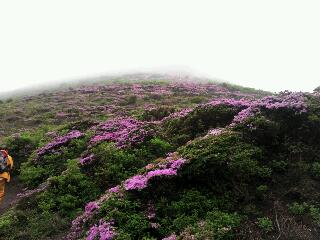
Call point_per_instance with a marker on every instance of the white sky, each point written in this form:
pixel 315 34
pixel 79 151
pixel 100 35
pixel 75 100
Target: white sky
pixel 272 45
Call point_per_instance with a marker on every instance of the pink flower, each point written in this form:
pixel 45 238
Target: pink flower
pixel 136 182
pixel 91 206
pixel 115 189
pixel 161 172
pixel 87 160
pixel 104 230
pixel 171 237
pixel 59 141
pixel 125 132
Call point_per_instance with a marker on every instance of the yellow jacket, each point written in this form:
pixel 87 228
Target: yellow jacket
pixel 6 175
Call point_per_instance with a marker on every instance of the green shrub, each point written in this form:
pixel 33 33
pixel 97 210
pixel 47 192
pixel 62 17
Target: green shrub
pixel 32 176
pixel 9 100
pixel 315 169
pixel 224 163
pixel 6 221
pixel 261 191
pixel 130 100
pixel 152 149
pixel 178 131
pixel 298 209
pixel 315 214
pixel 129 216
pixel 68 192
pixel 156 114
pixel 20 146
pixel 33 225
pixel 37 171
pixel 112 165
pixel 197 99
pixel 261 131
pixel 265 224
pixel 279 166
pixel 221 224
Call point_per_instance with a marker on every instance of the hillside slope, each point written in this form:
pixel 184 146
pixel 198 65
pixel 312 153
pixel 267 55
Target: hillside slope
pixel 164 160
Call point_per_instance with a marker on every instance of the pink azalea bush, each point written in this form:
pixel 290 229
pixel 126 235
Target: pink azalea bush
pixel 87 159
pixel 125 132
pixel 104 231
pixel 91 209
pixel 59 141
pixel 168 167
pixel 180 114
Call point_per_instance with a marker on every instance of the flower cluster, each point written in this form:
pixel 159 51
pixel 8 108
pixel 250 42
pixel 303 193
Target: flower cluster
pixel 125 132
pixel 90 210
pixel 87 159
pixel 290 100
pixel 59 141
pixel 171 237
pixel 168 167
pixel 179 114
pixel 230 102
pixel 245 114
pixel 91 207
pixel 285 100
pixel 104 230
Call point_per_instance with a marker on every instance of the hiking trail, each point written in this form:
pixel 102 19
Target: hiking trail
pixel 11 190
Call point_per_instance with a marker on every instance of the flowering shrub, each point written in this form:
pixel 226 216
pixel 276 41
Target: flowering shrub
pixel 229 102
pixel 180 114
pixel 58 142
pixel 124 132
pixel 104 231
pixel 244 115
pixel 38 168
pixel 286 100
pixel 87 159
pixel 91 207
pixel 165 167
pixel 168 167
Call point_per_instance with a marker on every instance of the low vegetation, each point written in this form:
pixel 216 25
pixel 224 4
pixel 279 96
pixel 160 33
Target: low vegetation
pixel 164 160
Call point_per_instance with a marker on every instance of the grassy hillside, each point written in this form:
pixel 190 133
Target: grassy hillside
pixel 163 160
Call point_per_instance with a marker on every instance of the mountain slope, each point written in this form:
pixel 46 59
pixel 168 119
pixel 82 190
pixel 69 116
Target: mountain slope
pixel 164 160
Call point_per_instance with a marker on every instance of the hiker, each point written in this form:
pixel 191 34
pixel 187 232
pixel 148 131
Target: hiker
pixel 6 164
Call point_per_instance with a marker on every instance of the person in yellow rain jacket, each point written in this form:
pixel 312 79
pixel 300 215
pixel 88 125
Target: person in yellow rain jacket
pixel 6 164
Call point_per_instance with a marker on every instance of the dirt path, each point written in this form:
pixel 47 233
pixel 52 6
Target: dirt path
pixel 12 189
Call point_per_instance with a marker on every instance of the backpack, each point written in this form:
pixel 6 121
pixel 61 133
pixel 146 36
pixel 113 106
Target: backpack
pixel 3 162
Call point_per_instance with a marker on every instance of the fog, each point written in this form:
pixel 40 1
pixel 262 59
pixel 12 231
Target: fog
pixel 269 45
